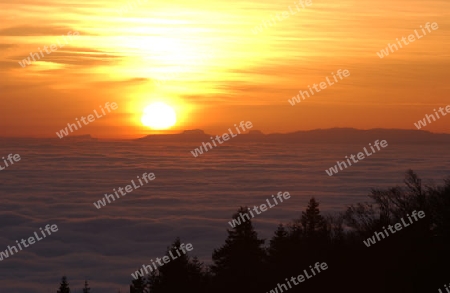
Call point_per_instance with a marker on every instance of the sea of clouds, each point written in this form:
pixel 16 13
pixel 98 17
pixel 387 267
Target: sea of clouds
pixel 193 198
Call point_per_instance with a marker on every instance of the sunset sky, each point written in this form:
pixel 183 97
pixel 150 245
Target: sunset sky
pixel 220 71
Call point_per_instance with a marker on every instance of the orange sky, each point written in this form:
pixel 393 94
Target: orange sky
pixel 219 71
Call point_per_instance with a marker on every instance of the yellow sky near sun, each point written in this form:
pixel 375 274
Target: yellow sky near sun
pixel 214 71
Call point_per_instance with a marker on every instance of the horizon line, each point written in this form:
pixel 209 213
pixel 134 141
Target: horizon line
pixel 183 131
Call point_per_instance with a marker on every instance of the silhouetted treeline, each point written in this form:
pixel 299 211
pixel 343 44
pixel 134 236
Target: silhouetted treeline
pixel 414 259
pixel 65 288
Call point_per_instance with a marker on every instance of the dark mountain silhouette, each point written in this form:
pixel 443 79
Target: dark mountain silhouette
pixel 333 135
pixel 186 136
pixel 71 138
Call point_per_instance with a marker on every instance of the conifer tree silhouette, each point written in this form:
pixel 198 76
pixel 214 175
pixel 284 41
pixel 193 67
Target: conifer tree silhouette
pixel 86 288
pixel 238 263
pixel 179 274
pixel 64 286
pixel 139 285
pixel 279 242
pixel 312 221
pixel 280 253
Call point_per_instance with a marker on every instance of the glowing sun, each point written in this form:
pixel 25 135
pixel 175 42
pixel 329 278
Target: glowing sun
pixel 159 116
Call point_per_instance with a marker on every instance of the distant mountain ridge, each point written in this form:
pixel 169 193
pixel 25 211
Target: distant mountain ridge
pixel 69 138
pixel 332 135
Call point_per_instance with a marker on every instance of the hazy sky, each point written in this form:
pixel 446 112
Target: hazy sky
pixel 220 72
